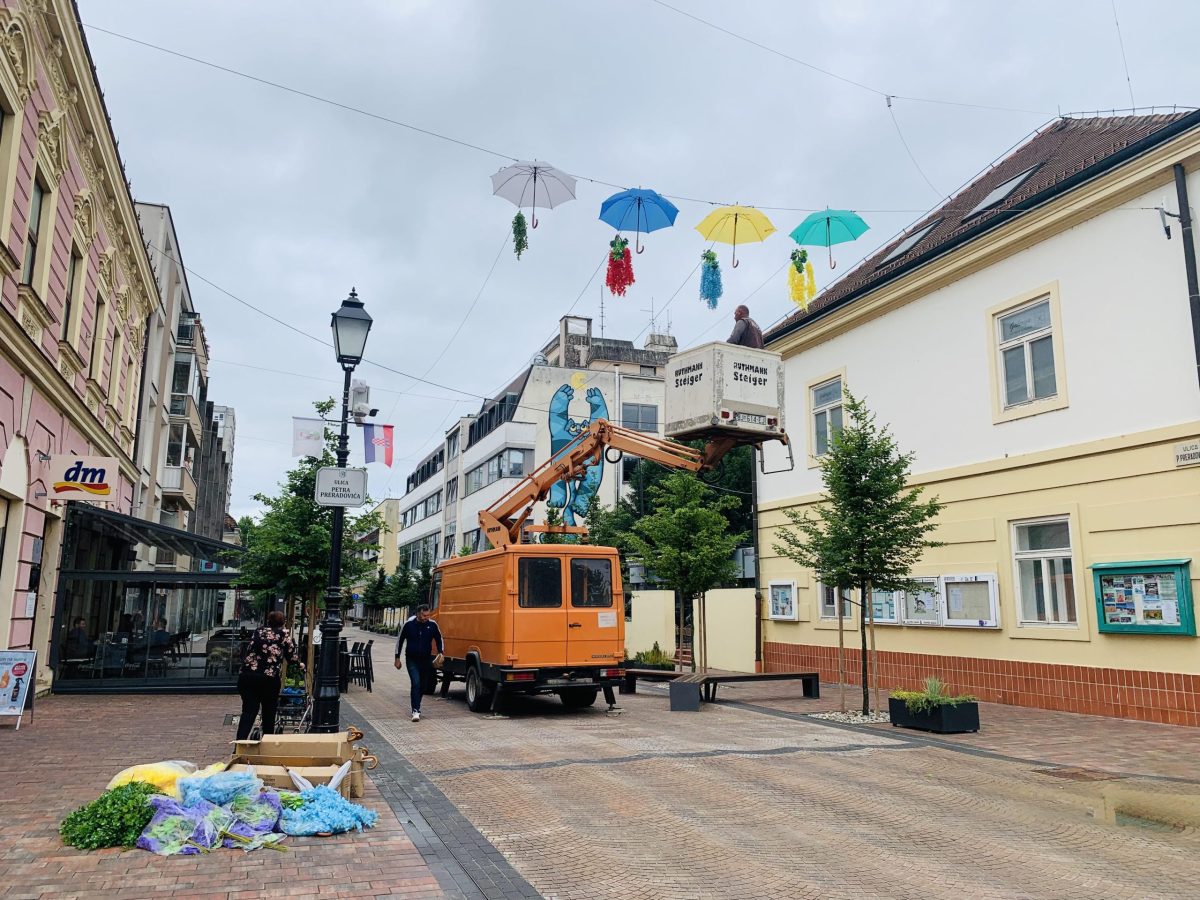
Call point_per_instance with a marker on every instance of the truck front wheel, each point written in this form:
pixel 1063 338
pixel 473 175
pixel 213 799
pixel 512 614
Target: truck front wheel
pixel 479 692
pixel 578 698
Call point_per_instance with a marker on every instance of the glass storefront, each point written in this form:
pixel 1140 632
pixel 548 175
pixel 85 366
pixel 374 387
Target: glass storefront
pixel 169 628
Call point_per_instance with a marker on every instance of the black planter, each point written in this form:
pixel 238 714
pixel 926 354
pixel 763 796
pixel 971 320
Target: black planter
pixel 944 719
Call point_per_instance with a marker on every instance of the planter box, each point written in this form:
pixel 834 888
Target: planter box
pixel 945 719
pixel 658 667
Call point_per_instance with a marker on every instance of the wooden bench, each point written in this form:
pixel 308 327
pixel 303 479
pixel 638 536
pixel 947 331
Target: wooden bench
pixel 632 675
pixel 810 681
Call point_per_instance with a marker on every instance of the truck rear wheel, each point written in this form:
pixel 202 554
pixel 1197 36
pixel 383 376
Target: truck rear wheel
pixel 578 698
pixel 479 692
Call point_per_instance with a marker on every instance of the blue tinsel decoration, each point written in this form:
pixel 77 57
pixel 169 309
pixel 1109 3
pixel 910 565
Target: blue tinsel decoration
pixel 710 280
pixel 324 810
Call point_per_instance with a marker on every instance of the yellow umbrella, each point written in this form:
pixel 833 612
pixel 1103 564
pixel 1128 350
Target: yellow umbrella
pixel 729 224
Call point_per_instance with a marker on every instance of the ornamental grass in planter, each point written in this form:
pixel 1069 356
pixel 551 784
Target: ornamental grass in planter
pixel 654 658
pixel 934 709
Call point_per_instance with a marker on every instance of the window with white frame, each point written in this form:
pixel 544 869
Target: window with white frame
pixel 922 606
pixel 34 230
pixel 68 317
pixel 827 414
pixel 450 549
pixel 1026 343
pixel 884 607
pixel 452 446
pixel 1044 575
pixel 829 603
pixel 970 601
pixel 640 416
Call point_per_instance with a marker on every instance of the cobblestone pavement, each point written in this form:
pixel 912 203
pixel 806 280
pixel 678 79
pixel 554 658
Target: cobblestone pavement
pixel 1120 746
pixel 745 800
pixel 77 743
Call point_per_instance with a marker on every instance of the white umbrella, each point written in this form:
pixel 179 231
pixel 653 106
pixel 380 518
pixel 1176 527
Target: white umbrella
pixel 533 184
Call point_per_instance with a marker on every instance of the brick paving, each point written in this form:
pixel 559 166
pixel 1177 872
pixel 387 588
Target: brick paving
pixel 753 799
pixel 77 743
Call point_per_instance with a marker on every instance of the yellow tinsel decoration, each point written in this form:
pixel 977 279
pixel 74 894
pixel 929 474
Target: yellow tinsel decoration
pixel 801 282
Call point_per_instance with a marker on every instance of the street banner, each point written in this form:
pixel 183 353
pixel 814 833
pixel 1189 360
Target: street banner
pixel 83 477
pixel 308 436
pixel 377 443
pixel 17 669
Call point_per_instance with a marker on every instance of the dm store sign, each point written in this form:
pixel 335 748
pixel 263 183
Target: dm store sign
pixel 83 477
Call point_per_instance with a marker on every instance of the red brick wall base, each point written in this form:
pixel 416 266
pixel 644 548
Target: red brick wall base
pixel 1166 697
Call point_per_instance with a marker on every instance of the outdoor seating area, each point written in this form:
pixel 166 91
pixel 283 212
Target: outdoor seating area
pixel 689 688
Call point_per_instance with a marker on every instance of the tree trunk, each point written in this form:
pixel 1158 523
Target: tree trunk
pixel 874 656
pixel 862 633
pixel 704 632
pixel 837 599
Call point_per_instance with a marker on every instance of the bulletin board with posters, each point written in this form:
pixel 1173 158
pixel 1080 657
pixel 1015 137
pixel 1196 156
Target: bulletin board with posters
pixel 1152 597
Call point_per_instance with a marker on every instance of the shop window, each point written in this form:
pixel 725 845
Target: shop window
pixel 1044 575
pixel 539 583
pixel 591 583
pixel 826 414
pixel 922 606
pixel 829 602
pixel 969 601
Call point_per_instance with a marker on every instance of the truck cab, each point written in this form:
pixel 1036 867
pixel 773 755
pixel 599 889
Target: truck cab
pixel 532 618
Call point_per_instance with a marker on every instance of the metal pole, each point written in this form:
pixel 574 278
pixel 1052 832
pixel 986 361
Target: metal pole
pixel 327 702
pixel 1189 257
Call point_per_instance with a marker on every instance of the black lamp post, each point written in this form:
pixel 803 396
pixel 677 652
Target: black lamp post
pixel 351 323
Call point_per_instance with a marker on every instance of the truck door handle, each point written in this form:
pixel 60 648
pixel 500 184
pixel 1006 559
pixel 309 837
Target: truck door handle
pixel 575 625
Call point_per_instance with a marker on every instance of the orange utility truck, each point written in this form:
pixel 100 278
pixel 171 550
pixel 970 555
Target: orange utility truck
pixel 550 618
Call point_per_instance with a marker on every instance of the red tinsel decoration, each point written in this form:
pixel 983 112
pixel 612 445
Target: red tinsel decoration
pixel 620 268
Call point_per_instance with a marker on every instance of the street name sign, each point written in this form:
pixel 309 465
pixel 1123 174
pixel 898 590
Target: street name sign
pixel 341 487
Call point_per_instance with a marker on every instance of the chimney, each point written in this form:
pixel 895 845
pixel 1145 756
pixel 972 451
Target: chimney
pixel 662 343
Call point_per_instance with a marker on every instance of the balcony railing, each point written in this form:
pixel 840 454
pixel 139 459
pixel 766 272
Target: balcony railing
pixel 183 406
pixel 178 484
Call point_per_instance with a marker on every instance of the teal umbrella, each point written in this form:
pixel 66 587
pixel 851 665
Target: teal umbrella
pixel 829 227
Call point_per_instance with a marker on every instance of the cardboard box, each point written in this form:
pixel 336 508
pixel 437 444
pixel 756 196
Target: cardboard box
pixel 315 756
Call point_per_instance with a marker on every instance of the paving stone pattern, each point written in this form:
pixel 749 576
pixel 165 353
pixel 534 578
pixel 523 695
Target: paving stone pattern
pixel 744 800
pixel 466 865
pixel 77 743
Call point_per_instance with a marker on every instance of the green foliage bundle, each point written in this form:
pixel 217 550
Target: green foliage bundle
pixel 520 234
pixel 114 819
pixel 935 693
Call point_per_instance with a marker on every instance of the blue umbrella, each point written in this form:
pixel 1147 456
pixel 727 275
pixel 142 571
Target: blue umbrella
pixel 639 209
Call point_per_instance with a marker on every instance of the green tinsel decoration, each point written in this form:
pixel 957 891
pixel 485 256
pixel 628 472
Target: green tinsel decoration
pixel 520 235
pixel 799 258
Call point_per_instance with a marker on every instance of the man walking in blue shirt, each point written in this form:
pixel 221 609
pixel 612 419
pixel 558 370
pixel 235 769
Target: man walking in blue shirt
pixel 421 633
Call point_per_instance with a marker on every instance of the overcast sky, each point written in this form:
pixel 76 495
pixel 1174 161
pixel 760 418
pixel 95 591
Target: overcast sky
pixel 287 202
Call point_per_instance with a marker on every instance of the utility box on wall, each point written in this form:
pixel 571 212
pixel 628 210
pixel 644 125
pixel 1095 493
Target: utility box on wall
pixel 721 389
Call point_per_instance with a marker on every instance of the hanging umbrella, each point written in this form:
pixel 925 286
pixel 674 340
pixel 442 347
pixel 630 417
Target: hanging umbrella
pixel 642 210
pixel 829 227
pixel 533 184
pixel 729 224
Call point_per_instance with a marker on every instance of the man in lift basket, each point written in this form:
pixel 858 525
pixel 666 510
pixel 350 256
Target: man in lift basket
pixel 421 633
pixel 746 332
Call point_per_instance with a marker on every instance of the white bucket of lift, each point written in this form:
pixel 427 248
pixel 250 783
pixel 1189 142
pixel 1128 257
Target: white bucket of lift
pixel 721 389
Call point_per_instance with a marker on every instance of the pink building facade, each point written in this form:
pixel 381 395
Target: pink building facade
pixel 75 293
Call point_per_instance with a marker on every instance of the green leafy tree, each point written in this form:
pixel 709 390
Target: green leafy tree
pixel 401 590
pixel 872 528
pixel 374 594
pixel 423 580
pixel 290 544
pixel 686 541
pixel 554 519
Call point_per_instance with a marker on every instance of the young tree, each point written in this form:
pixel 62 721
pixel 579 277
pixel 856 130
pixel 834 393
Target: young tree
pixel 423 582
pixel 290 544
pixel 686 542
pixel 871 528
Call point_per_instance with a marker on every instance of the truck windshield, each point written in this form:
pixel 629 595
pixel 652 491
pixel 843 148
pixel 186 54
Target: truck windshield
pixel 539 583
pixel 591 582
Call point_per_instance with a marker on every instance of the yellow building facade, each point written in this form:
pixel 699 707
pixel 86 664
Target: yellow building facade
pixel 1032 343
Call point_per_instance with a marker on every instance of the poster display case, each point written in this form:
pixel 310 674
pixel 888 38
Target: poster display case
pixel 1148 597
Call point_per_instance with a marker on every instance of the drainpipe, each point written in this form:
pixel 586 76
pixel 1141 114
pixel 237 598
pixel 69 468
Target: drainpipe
pixel 1189 258
pixel 758 598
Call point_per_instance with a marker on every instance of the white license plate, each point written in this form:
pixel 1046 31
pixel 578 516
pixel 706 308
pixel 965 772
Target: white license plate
pixel 562 681
pixel 750 418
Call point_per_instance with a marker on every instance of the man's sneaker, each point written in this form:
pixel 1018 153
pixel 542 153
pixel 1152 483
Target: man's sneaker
pixel 416 716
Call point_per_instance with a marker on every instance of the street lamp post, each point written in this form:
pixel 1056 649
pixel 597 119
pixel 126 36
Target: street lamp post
pixel 351 323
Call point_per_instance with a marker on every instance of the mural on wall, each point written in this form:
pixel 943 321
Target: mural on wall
pixel 574 496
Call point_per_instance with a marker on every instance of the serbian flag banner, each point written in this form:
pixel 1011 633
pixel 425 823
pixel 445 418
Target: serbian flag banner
pixel 378 443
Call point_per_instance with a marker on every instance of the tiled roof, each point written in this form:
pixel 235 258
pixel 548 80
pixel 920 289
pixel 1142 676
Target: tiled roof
pixel 1063 154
